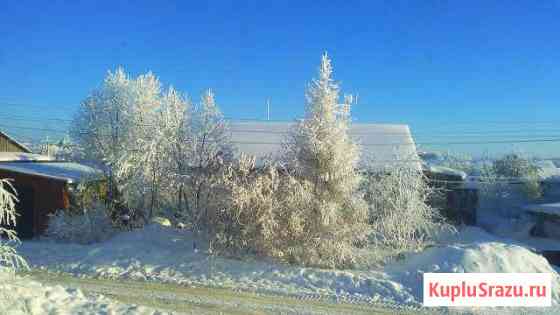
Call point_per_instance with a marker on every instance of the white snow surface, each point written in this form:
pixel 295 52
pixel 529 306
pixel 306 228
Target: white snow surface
pixel 382 145
pixel 446 171
pixel 20 295
pixel 22 156
pixel 66 171
pixel 165 254
pixel 546 208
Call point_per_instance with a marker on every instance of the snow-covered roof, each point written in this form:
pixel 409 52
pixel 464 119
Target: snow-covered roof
pixel 65 171
pixel 546 208
pixel 382 145
pixel 548 171
pixel 446 171
pixel 22 156
pixel 14 141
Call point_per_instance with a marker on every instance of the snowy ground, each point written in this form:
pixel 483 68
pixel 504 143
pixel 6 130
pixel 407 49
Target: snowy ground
pixel 208 301
pixel 166 255
pixel 20 295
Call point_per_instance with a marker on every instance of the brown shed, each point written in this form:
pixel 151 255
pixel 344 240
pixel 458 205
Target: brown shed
pixel 42 188
pixel 9 144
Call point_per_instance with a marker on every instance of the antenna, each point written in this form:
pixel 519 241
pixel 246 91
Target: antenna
pixel 267 109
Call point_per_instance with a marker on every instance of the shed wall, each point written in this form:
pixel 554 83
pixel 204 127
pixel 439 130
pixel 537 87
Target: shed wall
pixel 49 195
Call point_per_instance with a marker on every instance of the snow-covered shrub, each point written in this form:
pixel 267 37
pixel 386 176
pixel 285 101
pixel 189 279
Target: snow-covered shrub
pixel 514 167
pixel 90 225
pixel 9 259
pixel 271 213
pixel 399 210
pixel 457 161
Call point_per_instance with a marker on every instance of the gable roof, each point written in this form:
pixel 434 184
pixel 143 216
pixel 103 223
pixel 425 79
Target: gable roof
pixel 15 142
pixel 382 145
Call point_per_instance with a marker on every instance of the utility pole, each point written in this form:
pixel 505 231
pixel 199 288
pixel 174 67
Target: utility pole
pixel 267 109
pixel 48 147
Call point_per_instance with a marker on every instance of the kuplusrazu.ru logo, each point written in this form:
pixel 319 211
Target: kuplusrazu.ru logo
pixel 487 289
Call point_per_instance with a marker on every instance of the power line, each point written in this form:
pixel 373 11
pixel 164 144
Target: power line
pixel 65 107
pixel 363 144
pixel 33 119
pixel 509 141
pixel 516 132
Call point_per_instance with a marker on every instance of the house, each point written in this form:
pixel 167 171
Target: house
pixel 9 144
pixel 42 186
pixel 382 145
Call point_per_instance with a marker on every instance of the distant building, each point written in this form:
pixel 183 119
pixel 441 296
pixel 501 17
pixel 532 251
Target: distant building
pixel 9 144
pixel 382 145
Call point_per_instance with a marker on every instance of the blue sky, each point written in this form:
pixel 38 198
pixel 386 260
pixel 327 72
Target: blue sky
pixel 444 67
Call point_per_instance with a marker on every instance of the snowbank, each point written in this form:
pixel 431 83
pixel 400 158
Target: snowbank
pixel 491 257
pixel 23 296
pixel 165 254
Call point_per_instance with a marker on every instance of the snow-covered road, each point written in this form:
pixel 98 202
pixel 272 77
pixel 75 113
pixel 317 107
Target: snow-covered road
pixel 184 300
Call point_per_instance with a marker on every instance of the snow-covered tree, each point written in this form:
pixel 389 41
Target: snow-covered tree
pixel 8 239
pixel 320 153
pixel 211 147
pixel 400 212
pixel 169 151
pixel 61 150
pixel 111 123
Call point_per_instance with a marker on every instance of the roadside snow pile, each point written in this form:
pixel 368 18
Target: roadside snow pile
pixel 165 254
pixel 490 257
pixel 23 296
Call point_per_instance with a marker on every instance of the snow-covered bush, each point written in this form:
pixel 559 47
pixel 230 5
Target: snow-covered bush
pixel 9 259
pixel 399 210
pixel 457 161
pixel 514 167
pixel 505 185
pixel 90 225
pixel 268 212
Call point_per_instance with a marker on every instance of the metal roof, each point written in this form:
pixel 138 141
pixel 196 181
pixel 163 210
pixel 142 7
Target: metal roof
pixel 382 145
pixel 66 171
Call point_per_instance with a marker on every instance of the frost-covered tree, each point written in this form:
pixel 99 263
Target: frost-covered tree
pixel 211 147
pixel 159 151
pixel 400 213
pixel 8 239
pixel 319 152
pixel 110 124
pixel 101 125
pixel 171 147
